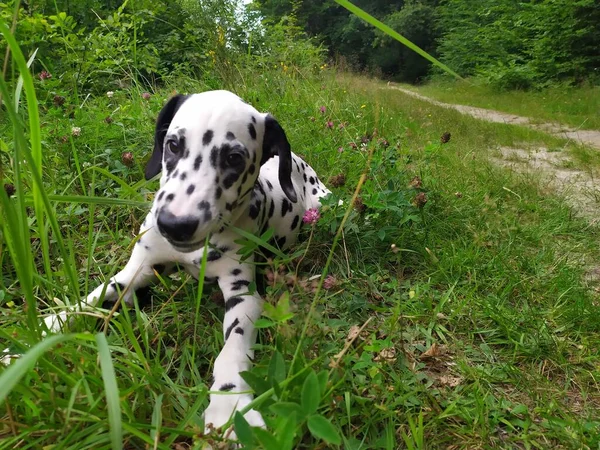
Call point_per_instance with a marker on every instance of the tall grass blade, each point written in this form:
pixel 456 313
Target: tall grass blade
pixel 395 35
pixel 35 139
pixel 112 392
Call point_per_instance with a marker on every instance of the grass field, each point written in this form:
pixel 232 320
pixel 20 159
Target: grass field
pixel 479 325
pixel 577 107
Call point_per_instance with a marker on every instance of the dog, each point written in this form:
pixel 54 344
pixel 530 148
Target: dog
pixel 224 166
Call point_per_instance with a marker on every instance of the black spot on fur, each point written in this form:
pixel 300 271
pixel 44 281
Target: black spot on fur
pixel 197 162
pixel 159 268
pixel 238 284
pixel 271 208
pixel 251 169
pixel 190 189
pixel 232 302
pixel 252 131
pixel 254 210
pixel 160 195
pixel 236 272
pixel 234 324
pixel 203 205
pixel 295 222
pixel 230 136
pixel 253 119
pixel 239 331
pixel 230 179
pixel 176 173
pixel 213 255
pixel 183 176
pixel 315 191
pixel 170 166
pixel 214 154
pixel 305 178
pixel 170 197
pixel 280 241
pixel 227 387
pixel 117 286
pixel 269 185
pixel 218 193
pixel 208 135
pixel 312 180
pixel 284 207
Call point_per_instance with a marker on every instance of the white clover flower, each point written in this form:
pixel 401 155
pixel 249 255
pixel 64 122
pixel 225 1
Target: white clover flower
pixel 109 94
pixel 76 131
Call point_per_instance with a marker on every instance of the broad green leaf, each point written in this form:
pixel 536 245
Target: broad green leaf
pixel 287 409
pixel 277 368
pixel 322 428
pixel 243 430
pixel 311 394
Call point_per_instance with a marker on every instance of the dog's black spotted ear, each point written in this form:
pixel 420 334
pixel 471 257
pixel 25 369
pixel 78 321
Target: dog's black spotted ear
pixel 275 143
pixel 162 125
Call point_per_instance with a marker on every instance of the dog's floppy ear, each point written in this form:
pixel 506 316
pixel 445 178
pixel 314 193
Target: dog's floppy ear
pixel 275 143
pixel 162 125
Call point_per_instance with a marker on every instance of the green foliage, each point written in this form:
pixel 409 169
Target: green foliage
pixel 521 44
pixel 510 44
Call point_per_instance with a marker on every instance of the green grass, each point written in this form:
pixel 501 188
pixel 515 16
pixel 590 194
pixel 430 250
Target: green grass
pixel 577 107
pixel 480 330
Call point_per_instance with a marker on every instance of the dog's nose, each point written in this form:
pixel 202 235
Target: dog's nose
pixel 178 228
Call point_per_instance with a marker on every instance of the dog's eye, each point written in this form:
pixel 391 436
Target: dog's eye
pixel 235 159
pixel 173 146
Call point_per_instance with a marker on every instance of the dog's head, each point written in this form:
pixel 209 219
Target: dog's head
pixel 210 147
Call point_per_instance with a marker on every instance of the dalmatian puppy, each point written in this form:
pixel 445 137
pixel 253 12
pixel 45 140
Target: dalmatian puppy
pixel 224 166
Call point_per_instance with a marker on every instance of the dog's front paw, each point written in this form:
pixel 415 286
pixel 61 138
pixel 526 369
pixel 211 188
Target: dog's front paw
pixel 55 322
pixel 223 406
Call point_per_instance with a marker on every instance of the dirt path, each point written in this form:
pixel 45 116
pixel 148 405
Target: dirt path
pixel 587 137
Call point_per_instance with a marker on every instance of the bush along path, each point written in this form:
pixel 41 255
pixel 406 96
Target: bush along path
pixel 585 137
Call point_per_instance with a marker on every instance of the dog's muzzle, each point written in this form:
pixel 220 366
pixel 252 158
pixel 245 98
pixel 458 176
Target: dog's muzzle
pixel 178 230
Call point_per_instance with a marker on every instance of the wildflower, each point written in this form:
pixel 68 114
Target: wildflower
pixel 340 149
pixel 420 200
pixel 312 119
pixel 110 94
pixel 329 124
pixel 342 125
pixel 394 248
pixel 365 139
pixel 458 194
pixel 323 109
pixel 45 75
pixel 108 119
pixel 445 137
pixel 127 158
pixel 352 145
pixel 416 182
pixel 76 131
pixel 337 180
pixel 363 106
pixel 383 142
pixel 9 189
pixel 359 205
pixel 146 95
pixel 329 282
pixel 59 100
pixel 311 216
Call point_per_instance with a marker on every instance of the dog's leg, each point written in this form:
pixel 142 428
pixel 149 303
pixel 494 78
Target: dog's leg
pixel 230 392
pixel 147 258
